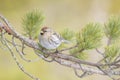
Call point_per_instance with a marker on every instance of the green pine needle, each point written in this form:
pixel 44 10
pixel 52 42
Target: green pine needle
pixel 68 34
pixel 80 55
pixel 90 36
pixel 32 22
pixel 112 51
pixel 112 28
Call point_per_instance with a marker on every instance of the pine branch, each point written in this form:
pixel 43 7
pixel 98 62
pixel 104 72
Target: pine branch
pixel 63 59
pixel 31 23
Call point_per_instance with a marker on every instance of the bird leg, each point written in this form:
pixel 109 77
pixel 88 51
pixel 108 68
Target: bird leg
pixel 56 51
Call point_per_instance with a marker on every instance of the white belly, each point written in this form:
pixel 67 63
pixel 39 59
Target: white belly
pixel 49 44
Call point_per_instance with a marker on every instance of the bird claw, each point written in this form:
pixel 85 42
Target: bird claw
pixel 57 51
pixel 46 55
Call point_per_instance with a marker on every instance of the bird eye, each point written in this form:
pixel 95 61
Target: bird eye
pixel 41 33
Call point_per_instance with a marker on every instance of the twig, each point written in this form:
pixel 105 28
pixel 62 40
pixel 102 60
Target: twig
pixel 68 48
pixel 99 52
pixel 23 48
pixel 85 73
pixel 17 62
pixel 106 73
pixel 41 56
pixel 21 54
pixel 80 76
pixel 109 41
pixel 118 57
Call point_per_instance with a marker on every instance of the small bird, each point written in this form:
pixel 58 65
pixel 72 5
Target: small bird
pixel 50 39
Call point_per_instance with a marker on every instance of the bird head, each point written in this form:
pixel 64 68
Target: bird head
pixel 45 30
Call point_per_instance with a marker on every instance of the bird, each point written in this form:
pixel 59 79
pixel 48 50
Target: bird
pixel 49 39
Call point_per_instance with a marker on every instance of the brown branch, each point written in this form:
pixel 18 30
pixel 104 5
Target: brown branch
pixel 34 45
pixel 99 52
pixel 62 59
pixel 21 52
pixel 17 62
pixel 106 72
pixel 68 48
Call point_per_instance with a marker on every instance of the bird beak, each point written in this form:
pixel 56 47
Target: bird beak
pixel 41 33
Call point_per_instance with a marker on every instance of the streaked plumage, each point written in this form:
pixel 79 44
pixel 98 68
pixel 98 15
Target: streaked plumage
pixel 49 39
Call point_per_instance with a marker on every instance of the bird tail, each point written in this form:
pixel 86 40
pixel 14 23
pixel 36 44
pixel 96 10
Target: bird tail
pixel 66 41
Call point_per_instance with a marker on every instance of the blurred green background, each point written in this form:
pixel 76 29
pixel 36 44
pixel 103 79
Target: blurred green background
pixel 59 14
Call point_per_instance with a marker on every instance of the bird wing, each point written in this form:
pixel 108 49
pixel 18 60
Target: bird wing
pixel 61 38
pixel 55 39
